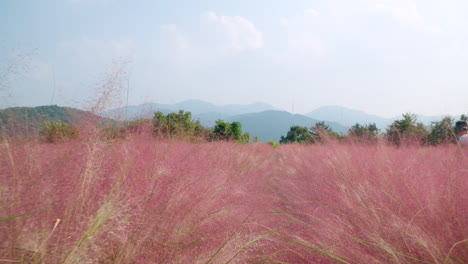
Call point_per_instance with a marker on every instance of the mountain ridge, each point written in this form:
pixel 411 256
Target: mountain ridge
pixel 259 119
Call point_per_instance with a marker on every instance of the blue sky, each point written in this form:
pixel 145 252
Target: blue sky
pixel 385 57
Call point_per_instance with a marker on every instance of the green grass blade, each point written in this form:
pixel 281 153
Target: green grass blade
pixel 27 213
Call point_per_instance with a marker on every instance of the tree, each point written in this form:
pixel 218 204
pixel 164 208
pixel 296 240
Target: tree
pixel 297 134
pixel 441 132
pixel 176 125
pixel 235 131
pixel 322 132
pixel 228 131
pixel 221 130
pixel 406 130
pixel 364 133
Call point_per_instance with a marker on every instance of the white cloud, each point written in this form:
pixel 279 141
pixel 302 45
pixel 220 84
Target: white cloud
pixel 403 11
pixel 240 33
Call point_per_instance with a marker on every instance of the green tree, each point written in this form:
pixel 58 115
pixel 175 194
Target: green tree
pixel 220 130
pixel 228 131
pixel 366 133
pixel 297 134
pixel 179 125
pixel 235 131
pixel 406 130
pixel 322 132
pixel 441 132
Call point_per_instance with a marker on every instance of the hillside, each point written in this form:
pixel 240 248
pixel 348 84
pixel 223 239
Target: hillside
pixel 23 121
pixel 271 124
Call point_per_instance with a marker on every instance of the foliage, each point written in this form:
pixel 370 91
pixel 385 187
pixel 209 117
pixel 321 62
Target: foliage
pixel 364 133
pixel 177 125
pixel 272 142
pixel 228 131
pixel 27 121
pixel 406 130
pixel 322 132
pixel 441 132
pixel 122 130
pixel 246 137
pixel 53 131
pixel 297 134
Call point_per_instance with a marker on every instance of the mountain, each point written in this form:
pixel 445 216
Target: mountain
pixel 209 119
pixel 348 117
pixel 198 108
pixel 427 120
pixel 273 124
pixel 24 121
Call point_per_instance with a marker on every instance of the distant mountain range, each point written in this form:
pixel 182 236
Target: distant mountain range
pixel 349 117
pixel 259 119
pixel 263 120
pixel 273 124
pixel 206 112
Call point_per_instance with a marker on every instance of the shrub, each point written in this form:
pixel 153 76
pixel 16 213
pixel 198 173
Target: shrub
pixel 53 131
pixel 178 126
pixel 406 131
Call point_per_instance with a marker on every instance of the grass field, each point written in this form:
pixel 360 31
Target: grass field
pixel 140 200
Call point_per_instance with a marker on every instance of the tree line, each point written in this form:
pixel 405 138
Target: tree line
pixel 181 126
pixel 406 130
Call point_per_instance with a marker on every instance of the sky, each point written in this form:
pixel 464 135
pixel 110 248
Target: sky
pixel 384 57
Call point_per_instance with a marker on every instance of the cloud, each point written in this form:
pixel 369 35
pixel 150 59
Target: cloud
pixel 403 11
pixel 211 39
pixel 239 33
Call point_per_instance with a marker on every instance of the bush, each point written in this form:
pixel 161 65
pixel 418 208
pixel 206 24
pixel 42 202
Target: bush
pixel 53 131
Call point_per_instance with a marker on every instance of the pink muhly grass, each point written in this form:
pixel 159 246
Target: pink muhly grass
pixel 377 204
pixel 140 200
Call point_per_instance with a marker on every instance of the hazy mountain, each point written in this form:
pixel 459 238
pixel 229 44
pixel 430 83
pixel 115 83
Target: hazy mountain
pixel 348 117
pixel 427 120
pixel 198 108
pixel 273 124
pixel 209 119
